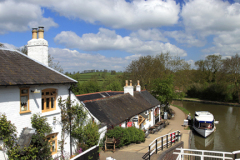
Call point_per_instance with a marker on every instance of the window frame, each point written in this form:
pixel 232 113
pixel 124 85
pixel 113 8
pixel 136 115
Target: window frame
pixel 24 94
pixel 53 139
pixel 44 97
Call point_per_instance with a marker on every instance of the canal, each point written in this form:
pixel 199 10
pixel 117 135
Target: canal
pixel 227 135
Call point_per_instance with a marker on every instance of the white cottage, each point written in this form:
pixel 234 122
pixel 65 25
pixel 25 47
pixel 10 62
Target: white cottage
pixel 28 86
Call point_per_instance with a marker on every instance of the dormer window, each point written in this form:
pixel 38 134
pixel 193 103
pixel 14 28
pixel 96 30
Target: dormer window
pixel 48 100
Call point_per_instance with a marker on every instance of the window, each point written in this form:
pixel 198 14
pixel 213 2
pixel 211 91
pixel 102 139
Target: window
pixel 48 100
pixel 24 100
pixel 52 139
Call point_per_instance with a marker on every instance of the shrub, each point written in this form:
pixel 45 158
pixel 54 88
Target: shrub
pixel 125 136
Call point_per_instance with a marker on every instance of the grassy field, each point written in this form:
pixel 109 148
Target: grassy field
pixel 99 76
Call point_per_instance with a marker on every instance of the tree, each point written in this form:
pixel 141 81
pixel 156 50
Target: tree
pixel 54 65
pixel 231 68
pixel 72 119
pixel 163 89
pixel 210 66
pixel 23 49
pixel 148 68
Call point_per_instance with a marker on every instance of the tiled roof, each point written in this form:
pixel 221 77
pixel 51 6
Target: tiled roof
pixel 116 109
pixel 18 69
pixel 148 97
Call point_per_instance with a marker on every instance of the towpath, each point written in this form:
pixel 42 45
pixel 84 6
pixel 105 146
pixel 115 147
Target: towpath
pixel 136 151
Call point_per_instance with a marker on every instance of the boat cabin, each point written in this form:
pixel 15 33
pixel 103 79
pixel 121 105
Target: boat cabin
pixel 204 120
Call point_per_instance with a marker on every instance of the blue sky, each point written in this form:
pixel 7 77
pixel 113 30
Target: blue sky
pixel 109 34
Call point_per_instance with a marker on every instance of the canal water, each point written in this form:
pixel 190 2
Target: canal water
pixel 227 135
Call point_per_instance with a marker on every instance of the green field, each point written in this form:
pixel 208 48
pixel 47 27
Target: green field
pixel 99 76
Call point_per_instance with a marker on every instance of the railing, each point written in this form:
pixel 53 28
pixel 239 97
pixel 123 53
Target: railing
pixel 161 142
pixel 205 154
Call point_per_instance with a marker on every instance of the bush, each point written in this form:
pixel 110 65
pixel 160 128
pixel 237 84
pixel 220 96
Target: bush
pixel 125 136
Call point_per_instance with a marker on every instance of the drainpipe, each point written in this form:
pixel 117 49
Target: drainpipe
pixel 70 116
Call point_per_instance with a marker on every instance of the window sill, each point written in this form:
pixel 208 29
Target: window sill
pixel 50 113
pixel 23 112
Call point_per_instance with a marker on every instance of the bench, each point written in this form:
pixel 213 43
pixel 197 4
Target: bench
pixel 110 142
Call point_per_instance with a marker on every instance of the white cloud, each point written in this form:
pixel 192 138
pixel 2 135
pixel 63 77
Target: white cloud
pixel 226 43
pixel 210 16
pixel 107 39
pixel 186 38
pixel 150 34
pixel 72 60
pixel 20 16
pixel 191 63
pixel 135 14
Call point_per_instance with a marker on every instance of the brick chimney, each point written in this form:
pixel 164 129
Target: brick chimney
pixel 128 88
pixel 38 47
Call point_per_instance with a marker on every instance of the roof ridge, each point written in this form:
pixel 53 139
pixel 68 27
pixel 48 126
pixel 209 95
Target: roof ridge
pixel 92 93
pixel 93 100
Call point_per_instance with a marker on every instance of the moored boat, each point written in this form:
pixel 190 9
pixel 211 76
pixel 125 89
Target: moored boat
pixel 203 123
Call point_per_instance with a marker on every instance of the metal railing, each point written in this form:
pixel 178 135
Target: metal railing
pixel 162 142
pixel 186 154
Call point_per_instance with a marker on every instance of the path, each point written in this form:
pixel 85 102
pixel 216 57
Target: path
pixel 136 151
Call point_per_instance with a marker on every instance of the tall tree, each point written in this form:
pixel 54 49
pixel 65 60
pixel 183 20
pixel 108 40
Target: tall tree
pixel 231 68
pixel 210 67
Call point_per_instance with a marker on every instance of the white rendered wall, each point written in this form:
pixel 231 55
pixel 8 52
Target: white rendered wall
pixel 38 50
pixel 138 88
pixel 128 89
pixel 10 105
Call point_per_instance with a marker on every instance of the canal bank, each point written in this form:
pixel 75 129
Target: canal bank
pixel 208 102
pixel 136 151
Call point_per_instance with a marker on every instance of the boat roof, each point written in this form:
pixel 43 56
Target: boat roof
pixel 204 116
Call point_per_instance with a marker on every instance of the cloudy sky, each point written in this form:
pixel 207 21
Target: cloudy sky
pixel 109 34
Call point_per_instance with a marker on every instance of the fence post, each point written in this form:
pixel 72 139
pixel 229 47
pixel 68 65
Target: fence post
pixel 162 143
pixel 174 137
pixel 167 140
pixel 149 150
pixel 156 146
pixel 234 156
pixel 202 157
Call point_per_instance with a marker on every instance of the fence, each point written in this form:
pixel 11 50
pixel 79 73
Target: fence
pixel 191 154
pixel 91 153
pixel 161 142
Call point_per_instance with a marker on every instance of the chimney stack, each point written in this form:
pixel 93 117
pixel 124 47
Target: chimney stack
pixel 128 89
pixel 38 46
pixel 138 87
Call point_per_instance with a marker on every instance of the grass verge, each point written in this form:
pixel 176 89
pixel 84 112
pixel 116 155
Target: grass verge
pixel 182 109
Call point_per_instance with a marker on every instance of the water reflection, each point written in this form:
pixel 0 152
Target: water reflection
pixel 227 135
pixel 203 143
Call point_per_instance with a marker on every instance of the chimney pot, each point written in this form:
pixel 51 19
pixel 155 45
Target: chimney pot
pixel 34 33
pixel 138 82
pixel 41 32
pixel 130 82
pixel 126 83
